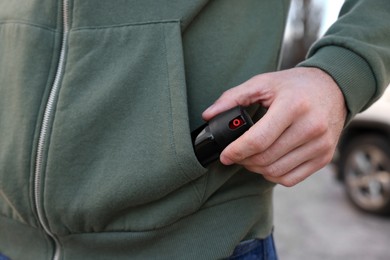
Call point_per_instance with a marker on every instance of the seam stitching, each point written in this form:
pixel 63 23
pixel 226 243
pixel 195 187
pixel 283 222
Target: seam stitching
pixel 102 27
pixel 21 22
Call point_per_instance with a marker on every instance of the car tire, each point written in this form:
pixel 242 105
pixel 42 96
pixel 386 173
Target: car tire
pixel 365 166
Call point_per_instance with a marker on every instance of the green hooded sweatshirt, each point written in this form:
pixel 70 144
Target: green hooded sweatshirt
pixel 97 102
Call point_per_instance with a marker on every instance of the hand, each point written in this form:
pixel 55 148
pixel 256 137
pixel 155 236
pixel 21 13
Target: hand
pixel 299 133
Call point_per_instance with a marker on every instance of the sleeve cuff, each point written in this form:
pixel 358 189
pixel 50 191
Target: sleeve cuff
pixel 350 71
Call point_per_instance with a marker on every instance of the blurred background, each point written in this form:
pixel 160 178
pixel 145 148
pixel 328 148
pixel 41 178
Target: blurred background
pixel 341 212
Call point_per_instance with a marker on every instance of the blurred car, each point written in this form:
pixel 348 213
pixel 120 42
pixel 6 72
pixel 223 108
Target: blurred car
pixel 363 158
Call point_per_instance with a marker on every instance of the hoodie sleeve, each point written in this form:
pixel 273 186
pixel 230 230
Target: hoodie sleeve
pixel 355 51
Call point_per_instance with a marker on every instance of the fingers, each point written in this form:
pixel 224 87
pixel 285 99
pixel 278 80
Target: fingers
pixel 298 174
pixel 297 165
pixel 291 140
pixel 272 129
pixel 252 91
pixel 257 139
pixel 316 154
pixel 295 155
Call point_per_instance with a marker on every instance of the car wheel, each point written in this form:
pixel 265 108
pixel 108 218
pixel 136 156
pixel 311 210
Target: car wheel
pixel 365 166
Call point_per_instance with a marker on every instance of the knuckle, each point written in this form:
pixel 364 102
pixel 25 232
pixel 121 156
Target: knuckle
pixel 321 126
pixel 326 147
pixel 316 128
pixel 226 94
pixel 272 171
pixel 254 146
pixel 271 179
pixel 290 181
pixel 327 143
pixel 327 158
pixel 254 169
pixel 234 154
pixel 263 159
pixel 303 105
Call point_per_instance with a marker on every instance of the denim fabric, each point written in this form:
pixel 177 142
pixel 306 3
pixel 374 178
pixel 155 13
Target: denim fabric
pixel 3 257
pixel 255 249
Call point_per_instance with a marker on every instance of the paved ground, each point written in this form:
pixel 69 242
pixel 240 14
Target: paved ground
pixel 314 220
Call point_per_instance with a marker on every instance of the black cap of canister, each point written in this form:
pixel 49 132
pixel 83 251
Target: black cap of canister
pixel 210 139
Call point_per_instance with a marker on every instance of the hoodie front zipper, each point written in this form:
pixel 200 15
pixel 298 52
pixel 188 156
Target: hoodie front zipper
pixel 44 132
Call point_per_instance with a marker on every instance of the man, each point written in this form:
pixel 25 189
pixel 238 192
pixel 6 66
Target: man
pixel 98 99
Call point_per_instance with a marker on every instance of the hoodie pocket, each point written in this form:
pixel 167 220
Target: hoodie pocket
pixel 120 146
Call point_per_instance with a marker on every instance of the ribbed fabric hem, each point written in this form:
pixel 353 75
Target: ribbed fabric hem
pixel 211 233
pixel 350 71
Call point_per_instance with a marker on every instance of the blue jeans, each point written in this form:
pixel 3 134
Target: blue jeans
pixel 3 257
pixel 255 249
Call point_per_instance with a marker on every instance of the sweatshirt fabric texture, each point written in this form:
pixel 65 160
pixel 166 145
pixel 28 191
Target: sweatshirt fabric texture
pixel 97 102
